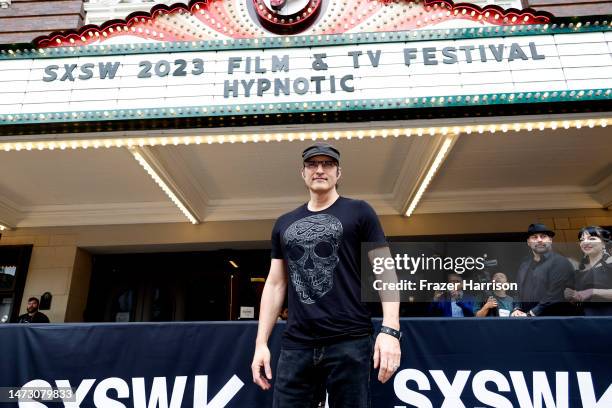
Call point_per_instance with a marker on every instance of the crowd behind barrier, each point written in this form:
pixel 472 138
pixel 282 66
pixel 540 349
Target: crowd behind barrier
pixel 549 284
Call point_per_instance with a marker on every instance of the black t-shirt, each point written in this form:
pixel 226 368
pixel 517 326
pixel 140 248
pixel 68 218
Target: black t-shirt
pixel 597 277
pixel 322 253
pixel 38 317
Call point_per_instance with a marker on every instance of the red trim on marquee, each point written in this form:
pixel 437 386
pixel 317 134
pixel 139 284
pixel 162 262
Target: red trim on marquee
pixel 213 21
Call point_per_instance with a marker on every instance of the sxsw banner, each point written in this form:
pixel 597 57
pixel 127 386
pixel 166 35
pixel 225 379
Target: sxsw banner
pixel 492 362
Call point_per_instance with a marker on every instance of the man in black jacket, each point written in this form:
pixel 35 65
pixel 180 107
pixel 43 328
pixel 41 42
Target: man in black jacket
pixel 33 315
pixel 542 277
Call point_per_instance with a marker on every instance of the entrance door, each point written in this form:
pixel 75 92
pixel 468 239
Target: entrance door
pixel 187 286
pixel 14 262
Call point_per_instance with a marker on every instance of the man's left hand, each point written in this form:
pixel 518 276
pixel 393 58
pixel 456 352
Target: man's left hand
pixel 387 356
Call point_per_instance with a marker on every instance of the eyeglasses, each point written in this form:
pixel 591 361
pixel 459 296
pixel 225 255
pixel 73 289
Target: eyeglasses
pixel 314 164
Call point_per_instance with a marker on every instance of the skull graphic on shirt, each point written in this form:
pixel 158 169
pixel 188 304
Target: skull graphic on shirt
pixel 311 245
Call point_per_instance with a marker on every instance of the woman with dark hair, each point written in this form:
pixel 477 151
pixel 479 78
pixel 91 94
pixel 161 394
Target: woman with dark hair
pixel 592 290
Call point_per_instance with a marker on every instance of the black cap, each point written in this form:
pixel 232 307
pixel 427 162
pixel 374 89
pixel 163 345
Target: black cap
pixel 321 149
pixel 539 229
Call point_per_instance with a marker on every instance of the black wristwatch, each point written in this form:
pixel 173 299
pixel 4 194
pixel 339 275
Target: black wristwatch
pixel 391 332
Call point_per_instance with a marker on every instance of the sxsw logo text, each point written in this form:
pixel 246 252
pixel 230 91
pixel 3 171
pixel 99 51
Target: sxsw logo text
pixel 494 389
pixel 109 392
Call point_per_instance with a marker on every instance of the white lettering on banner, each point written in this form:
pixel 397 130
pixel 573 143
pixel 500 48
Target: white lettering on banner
pixel 541 390
pixel 158 396
pixel 540 397
pixel 587 394
pixel 34 384
pixel 451 391
pixel 220 400
pixel 405 394
pixel 79 394
pixel 159 393
pixel 479 387
pixel 294 76
pixel 101 398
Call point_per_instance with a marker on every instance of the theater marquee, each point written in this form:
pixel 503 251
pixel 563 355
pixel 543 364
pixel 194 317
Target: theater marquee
pixel 109 73
pixel 309 72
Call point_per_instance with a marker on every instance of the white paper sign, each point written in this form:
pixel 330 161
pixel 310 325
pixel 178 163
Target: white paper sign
pixel 122 317
pixel 247 312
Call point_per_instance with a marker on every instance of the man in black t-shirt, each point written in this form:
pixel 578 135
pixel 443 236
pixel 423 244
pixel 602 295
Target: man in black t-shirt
pixel 33 315
pixel 327 343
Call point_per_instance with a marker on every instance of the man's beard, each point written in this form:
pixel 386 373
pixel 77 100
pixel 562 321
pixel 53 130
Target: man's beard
pixel 541 249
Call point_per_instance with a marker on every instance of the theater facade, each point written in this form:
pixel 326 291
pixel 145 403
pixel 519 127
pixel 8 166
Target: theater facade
pixel 144 156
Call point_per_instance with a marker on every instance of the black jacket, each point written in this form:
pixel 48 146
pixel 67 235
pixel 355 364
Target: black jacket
pixel 541 285
pixel 38 317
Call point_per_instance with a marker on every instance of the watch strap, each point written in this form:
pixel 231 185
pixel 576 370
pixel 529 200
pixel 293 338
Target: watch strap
pixel 391 332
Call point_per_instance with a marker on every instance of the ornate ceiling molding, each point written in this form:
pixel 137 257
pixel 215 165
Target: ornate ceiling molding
pixel 509 199
pixel 10 214
pixel 603 192
pixel 100 214
pixel 469 201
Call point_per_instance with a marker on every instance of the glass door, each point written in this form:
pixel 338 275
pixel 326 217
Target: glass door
pixel 14 262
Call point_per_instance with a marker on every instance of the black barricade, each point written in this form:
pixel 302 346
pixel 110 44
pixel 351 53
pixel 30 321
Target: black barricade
pixel 539 362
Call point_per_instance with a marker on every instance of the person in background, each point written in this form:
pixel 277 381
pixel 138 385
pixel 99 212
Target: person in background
pixel 542 277
pixel 284 314
pixel 33 315
pixel 592 291
pixel 452 303
pixel 499 303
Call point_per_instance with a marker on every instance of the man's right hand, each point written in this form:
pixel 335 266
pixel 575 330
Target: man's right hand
pixel 491 303
pixel 570 295
pixel 261 365
pixel 518 313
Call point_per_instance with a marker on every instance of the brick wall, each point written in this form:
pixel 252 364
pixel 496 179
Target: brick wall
pixel 25 20
pixel 570 8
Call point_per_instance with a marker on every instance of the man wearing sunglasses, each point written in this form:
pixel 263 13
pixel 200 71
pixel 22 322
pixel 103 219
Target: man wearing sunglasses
pixel 327 343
